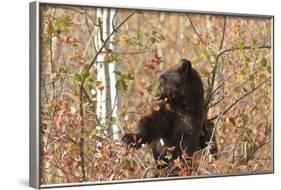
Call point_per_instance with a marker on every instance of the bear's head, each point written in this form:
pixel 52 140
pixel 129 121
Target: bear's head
pixel 174 83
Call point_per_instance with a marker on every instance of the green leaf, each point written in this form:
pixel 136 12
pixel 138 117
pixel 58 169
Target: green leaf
pixel 263 62
pixel 86 74
pixel 128 76
pixel 113 119
pixel 252 85
pixel 117 73
pixel 268 68
pixel 153 40
pixel 247 59
pixel 111 58
pixel 78 77
pixel 125 154
pixel 128 42
pixel 242 72
pixel 254 41
pixel 207 53
pixel 241 45
pixel 121 85
pixel 251 77
pixel 245 118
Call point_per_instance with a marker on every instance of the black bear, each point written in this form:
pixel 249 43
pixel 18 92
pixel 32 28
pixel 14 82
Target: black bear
pixel 179 121
pixel 153 127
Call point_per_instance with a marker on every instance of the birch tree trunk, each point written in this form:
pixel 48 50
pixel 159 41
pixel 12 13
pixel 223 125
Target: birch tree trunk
pixel 112 67
pixel 106 107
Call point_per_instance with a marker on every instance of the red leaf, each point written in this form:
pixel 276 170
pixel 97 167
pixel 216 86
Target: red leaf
pixel 150 66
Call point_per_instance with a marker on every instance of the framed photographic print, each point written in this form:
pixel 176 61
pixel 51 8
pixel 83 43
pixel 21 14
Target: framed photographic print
pixel 134 94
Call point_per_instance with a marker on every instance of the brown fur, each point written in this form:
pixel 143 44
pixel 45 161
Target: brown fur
pixel 179 121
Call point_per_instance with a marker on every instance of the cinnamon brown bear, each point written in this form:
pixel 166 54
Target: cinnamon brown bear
pixel 179 121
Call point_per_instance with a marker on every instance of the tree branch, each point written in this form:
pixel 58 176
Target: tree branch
pixel 258 147
pixel 214 72
pixel 107 39
pixel 130 53
pixel 89 29
pixel 216 103
pixel 221 84
pixel 194 29
pixel 81 142
pixel 243 48
pixel 219 54
pixel 241 98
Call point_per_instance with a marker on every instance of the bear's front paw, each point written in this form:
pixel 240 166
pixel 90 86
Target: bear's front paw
pixel 132 140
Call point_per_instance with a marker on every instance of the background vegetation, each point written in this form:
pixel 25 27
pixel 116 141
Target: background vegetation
pixel 99 74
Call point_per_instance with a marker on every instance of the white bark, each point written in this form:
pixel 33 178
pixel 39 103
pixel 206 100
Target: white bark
pixel 112 67
pixel 106 99
pixel 100 107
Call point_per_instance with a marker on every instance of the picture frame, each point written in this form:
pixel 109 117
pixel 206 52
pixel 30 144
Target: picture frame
pixel 54 32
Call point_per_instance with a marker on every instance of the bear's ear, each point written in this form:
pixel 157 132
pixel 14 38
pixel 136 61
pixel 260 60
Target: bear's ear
pixel 185 68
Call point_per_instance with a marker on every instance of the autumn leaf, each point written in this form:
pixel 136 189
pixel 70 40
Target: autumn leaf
pixel 149 66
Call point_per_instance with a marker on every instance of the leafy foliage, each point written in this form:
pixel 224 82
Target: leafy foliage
pixel 239 79
pixel 121 83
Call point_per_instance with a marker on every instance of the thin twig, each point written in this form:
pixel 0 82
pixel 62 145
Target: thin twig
pixel 82 89
pixel 89 29
pixel 81 142
pixel 130 53
pixel 219 54
pixel 241 98
pixel 256 148
pixel 217 102
pixel 214 72
pixel 194 29
pixel 78 11
pixel 242 48
pixel 221 84
pixel 108 38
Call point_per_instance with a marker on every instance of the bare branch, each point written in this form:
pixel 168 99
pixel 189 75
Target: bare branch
pixel 216 103
pixel 241 98
pixel 89 29
pixel 80 11
pixel 219 54
pixel 221 84
pixel 194 29
pixel 130 53
pixel 108 37
pixel 81 141
pixel 214 72
pixel 255 149
pixel 243 48
pixel 266 40
pixel 83 91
